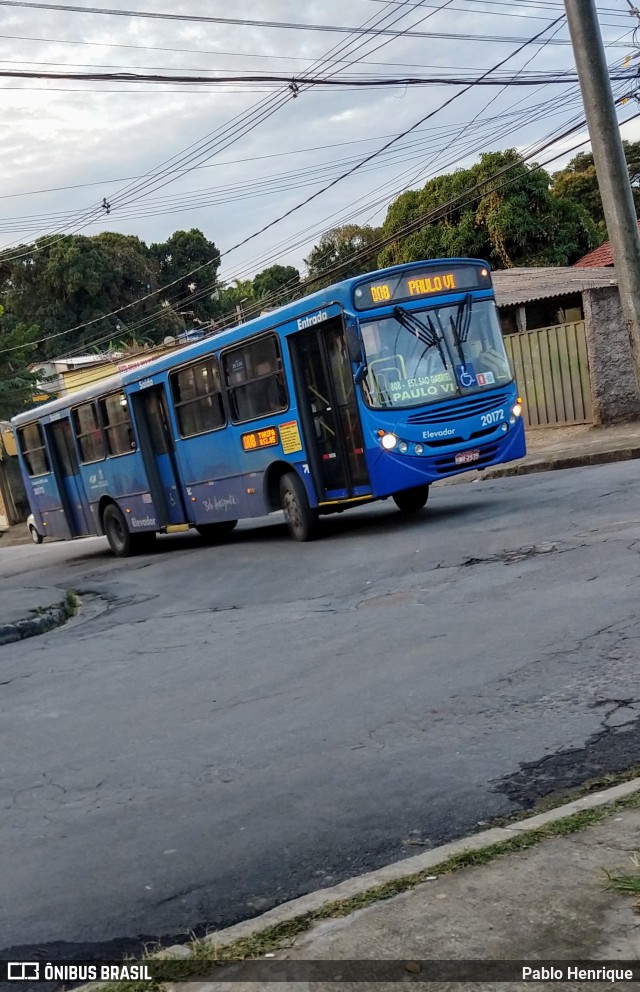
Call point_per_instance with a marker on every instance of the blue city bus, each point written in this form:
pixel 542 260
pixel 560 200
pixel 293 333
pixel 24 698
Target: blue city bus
pixel 373 388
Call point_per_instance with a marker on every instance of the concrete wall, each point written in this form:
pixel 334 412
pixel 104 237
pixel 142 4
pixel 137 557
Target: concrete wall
pixel 614 390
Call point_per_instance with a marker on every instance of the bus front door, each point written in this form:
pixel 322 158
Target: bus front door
pixel 159 455
pixel 329 412
pixel 66 469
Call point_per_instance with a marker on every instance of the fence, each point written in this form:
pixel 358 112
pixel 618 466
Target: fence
pixel 552 371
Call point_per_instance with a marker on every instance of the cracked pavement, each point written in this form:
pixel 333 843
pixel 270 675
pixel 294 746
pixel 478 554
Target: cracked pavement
pixel 224 728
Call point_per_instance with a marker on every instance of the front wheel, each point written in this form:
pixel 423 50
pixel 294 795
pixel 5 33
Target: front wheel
pixel 301 518
pixel 411 500
pixel 213 532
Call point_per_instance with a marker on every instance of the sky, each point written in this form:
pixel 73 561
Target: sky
pixel 231 159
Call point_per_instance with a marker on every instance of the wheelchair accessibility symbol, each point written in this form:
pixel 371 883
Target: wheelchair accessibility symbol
pixel 466 376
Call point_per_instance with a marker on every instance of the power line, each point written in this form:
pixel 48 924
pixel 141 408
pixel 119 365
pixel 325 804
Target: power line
pixel 183 162
pixel 245 22
pixel 318 193
pixel 293 83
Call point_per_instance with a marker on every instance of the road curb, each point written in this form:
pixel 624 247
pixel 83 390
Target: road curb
pixel 47 619
pixel 552 463
pixel 357 886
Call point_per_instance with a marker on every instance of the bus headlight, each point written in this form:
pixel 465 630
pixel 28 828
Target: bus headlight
pixel 403 447
pixel 389 441
pixel 505 428
pixel 517 409
pixel 419 449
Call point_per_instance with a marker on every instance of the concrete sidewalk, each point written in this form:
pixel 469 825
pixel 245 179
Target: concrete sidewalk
pixel 534 891
pixel 570 447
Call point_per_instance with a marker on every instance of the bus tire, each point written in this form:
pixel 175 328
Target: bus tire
pixel 411 500
pixel 117 533
pixel 214 532
pixel 300 517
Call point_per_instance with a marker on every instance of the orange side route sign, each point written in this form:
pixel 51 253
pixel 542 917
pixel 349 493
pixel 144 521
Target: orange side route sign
pixel 290 437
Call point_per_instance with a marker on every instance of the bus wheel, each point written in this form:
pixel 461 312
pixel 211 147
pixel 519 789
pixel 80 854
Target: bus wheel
pixel 411 500
pixel 214 532
pixel 301 518
pixel 117 532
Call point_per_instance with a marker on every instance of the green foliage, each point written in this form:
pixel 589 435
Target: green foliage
pixel 510 224
pixel 70 281
pixel 578 183
pixel 16 382
pixel 341 253
pixel 176 259
pixel 280 283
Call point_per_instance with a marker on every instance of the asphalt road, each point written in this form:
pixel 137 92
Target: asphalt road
pixel 222 729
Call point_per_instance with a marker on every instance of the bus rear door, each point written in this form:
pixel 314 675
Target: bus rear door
pixel 158 453
pixel 66 468
pixel 329 412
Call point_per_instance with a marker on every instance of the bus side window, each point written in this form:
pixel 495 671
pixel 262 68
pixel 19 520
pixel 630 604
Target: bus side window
pixel 197 398
pixel 117 424
pixel 88 433
pixel 255 379
pixel 33 449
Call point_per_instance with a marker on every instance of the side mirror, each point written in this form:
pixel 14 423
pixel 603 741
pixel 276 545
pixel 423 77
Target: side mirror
pixel 354 344
pixel 360 373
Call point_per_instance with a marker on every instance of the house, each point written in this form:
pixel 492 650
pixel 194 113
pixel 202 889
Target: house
pixel 530 298
pixel 598 258
pixel 568 344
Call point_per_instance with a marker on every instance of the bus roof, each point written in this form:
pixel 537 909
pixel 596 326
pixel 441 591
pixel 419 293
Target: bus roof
pixel 339 293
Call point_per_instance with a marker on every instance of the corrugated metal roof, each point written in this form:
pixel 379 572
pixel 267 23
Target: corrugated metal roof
pixel 517 286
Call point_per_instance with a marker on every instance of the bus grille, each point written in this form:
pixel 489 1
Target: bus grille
pixel 448 441
pixel 440 413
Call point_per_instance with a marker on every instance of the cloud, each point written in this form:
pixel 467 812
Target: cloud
pixel 66 134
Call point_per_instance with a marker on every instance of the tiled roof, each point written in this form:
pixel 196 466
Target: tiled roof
pixel 598 257
pixel 517 286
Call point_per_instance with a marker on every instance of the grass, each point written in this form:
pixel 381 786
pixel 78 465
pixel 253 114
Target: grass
pixel 71 604
pixel 206 954
pixel 628 884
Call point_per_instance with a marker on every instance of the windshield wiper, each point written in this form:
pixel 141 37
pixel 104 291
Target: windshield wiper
pixel 460 326
pixel 426 333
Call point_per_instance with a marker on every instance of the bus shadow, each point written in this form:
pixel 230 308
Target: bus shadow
pixel 375 520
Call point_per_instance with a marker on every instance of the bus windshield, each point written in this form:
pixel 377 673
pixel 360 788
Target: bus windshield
pixel 420 356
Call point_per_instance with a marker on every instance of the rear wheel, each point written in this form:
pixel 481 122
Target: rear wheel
pixel 117 533
pixel 214 532
pixel 301 518
pixel 411 500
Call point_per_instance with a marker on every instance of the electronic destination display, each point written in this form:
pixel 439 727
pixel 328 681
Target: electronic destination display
pixel 416 283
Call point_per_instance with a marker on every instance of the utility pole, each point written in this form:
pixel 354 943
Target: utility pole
pixel 610 163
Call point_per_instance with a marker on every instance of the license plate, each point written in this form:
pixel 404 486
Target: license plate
pixel 464 457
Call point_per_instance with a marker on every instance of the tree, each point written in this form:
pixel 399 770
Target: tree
pixel 578 182
pixel 177 258
pixel 500 209
pixel 236 301
pixel 16 382
pixel 280 283
pixel 67 283
pixel 341 253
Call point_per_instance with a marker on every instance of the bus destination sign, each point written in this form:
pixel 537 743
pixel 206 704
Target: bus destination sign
pixel 418 283
pixel 266 437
